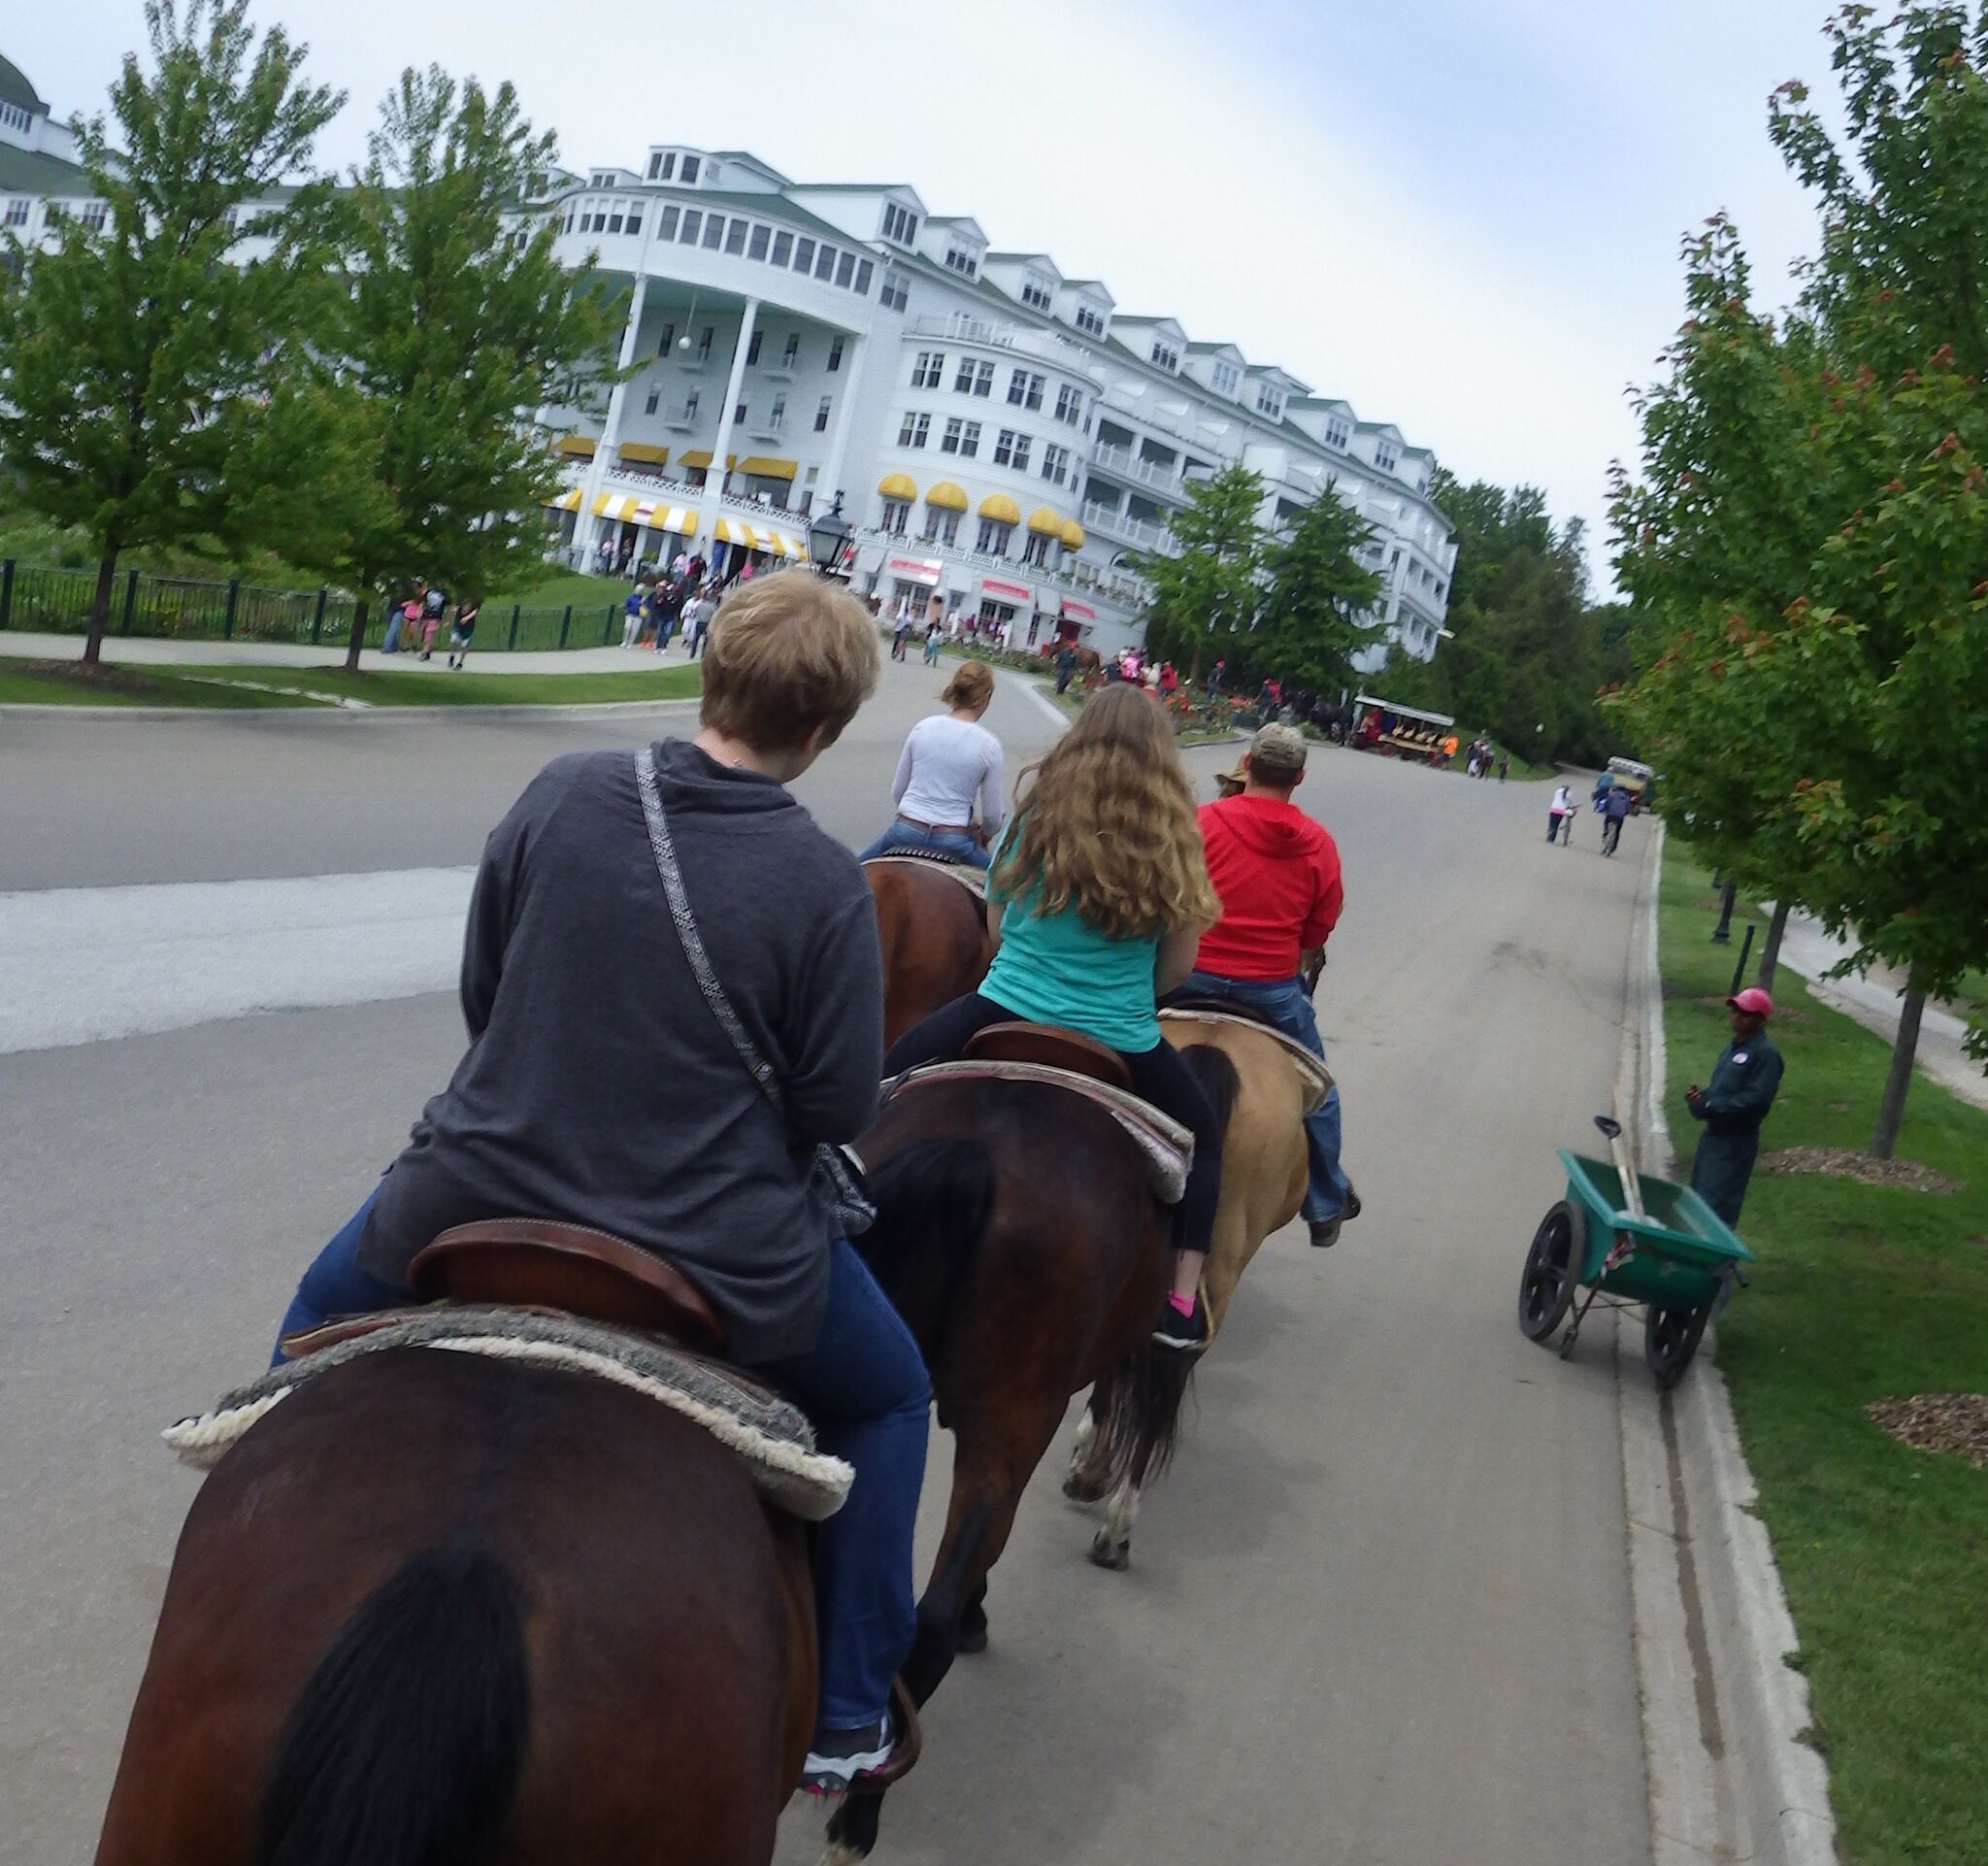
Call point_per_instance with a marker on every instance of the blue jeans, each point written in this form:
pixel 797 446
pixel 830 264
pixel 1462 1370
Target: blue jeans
pixel 1285 1003
pixel 391 645
pixel 864 1386
pixel 957 843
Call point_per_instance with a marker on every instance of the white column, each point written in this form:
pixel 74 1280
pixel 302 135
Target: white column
pixel 734 382
pixel 854 356
pixel 584 525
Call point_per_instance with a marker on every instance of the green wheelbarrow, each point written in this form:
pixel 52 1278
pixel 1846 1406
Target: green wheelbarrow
pixel 1629 1239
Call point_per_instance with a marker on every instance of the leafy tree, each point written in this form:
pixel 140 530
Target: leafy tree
pixel 458 325
pixel 1316 611
pixel 145 368
pixel 1205 598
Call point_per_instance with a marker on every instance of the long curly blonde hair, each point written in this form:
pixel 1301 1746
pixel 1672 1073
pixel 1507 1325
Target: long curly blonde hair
pixel 1106 822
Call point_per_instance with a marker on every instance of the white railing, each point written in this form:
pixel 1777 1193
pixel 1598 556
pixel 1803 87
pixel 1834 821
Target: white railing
pixel 1128 465
pixel 1051 347
pixel 768 427
pixel 683 414
pixel 1141 532
pixel 1084 580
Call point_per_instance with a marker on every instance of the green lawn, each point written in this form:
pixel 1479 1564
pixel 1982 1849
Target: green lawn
pixel 1861 1293
pixel 234 685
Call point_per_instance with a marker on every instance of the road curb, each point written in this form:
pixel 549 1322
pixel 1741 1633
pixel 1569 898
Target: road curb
pixel 1730 1777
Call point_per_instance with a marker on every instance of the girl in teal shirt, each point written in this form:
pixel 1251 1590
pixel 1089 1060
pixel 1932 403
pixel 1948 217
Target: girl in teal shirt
pixel 1099 896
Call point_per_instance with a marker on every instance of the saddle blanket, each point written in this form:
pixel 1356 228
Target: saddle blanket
pixel 1166 1147
pixel 1313 1074
pixel 770 1435
pixel 968 875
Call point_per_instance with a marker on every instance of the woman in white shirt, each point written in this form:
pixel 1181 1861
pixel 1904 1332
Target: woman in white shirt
pixel 951 763
pixel 1560 812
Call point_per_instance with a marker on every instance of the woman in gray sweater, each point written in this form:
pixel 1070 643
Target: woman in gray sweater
pixel 599 1089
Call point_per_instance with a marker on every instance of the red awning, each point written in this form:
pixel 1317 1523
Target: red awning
pixel 916 570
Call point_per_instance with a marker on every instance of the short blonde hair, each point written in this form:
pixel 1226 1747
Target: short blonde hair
pixel 789 653
pixel 972 685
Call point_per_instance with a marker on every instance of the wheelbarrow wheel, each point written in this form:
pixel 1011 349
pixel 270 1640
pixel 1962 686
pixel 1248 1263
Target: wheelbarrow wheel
pixel 1552 1272
pixel 1671 1338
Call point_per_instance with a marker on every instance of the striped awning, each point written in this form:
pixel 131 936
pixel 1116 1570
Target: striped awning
pixel 567 501
pixel 755 537
pixel 579 445
pixel 656 514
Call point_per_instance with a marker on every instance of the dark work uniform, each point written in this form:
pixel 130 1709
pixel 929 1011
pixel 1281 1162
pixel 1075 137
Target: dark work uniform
pixel 1732 1106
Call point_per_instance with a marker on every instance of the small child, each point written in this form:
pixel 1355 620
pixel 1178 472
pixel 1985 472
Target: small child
pixel 460 635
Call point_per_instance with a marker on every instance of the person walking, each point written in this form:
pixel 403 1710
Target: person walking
pixel 900 633
pixel 634 614
pixel 950 765
pixel 461 633
pixel 1278 873
pixel 1557 813
pixel 1615 809
pixel 931 642
pixel 433 601
pixel 1744 1082
pixel 1503 766
pixel 697 615
pixel 1066 666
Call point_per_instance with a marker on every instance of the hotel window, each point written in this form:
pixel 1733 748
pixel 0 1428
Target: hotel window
pixel 1025 389
pixel 666 227
pixel 1090 320
pixel 994 536
pixel 942 527
pixel 900 224
pixel 791 353
pixel 762 238
pixel 1036 549
pixel 929 370
pixel 864 271
pixel 604 180
pixel 693 223
pixel 14 118
pixel 974 378
pixel 1055 463
pixel 1384 457
pixel 1011 450
pixel 614 212
pixel 821 414
pixel 1225 378
pixel 1069 404
pixel 960 261
pixel 782 248
pixel 704 342
pixel 1164 355
pixel 825 257
pixel 691 164
pixel 739 416
pixel 655 396
pixel 896 511
pixel 895 291
pixel 635 218
pixel 804 255
pixel 845 269
pixel 1035 290
pixel 1269 402
pixel 960 437
pixel 915 430
pixel 834 356
pixel 94 213
pixel 778 415
pixel 752 348
pixel 1337 434
pixel 568 226
pixel 16 211
pixel 669 338
pixel 735 238
pixel 713 232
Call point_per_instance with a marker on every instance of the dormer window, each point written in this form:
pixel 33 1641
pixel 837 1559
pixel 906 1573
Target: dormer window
pixel 691 165
pixel 1338 434
pixel 1384 457
pixel 900 224
pixel 1036 291
pixel 1163 356
pixel 1090 320
pixel 1226 377
pixel 1269 402
pixel 963 261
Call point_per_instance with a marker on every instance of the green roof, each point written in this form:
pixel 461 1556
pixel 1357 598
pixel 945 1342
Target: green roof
pixel 31 171
pixel 776 207
pixel 15 90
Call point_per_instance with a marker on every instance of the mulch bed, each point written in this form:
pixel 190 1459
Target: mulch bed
pixel 1846 1163
pixel 1956 1423
pixel 100 673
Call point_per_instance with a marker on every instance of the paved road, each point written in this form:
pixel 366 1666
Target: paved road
pixel 1378 1614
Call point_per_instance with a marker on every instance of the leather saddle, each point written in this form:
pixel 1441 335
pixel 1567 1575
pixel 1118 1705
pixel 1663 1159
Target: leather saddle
pixel 1226 1007
pixel 1048 1046
pixel 540 1263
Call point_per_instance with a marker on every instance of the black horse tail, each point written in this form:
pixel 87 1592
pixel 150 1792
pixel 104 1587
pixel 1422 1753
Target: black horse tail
pixel 932 1200
pixel 407 1744
pixel 1149 1392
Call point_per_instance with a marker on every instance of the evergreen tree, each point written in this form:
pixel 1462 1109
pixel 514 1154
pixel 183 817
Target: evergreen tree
pixel 1317 613
pixel 148 370
pixel 1207 597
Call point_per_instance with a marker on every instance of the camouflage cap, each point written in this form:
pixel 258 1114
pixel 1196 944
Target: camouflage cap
pixel 1277 747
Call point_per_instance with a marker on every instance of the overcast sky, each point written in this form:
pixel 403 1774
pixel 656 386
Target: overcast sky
pixel 1462 215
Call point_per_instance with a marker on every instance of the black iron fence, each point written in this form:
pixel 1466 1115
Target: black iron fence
pixel 54 601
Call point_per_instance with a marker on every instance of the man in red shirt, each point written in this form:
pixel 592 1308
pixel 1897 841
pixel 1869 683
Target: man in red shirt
pixel 1277 874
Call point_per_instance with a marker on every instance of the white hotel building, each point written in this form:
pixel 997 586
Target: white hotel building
pixel 1003 436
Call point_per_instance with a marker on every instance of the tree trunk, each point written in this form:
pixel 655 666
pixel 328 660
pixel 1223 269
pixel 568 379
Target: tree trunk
pixel 359 631
pixel 1771 953
pixel 100 606
pixel 1891 1111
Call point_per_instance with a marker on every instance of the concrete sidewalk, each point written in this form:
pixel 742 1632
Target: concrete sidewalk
pixel 142 652
pixel 1874 999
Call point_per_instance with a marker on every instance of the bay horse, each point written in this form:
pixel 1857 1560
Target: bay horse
pixel 1265 1170
pixel 935 940
pixel 1052 1288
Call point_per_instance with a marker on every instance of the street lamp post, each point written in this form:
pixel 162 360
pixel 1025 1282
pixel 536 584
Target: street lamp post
pixel 828 538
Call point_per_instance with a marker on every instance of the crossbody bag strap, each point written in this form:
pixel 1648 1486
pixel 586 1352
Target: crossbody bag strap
pixel 664 849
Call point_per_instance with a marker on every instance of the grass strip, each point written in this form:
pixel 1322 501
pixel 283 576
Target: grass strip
pixel 1861 1293
pixel 68 683
pixel 236 685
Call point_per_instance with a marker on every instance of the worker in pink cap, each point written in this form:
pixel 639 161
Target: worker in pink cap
pixel 1742 1088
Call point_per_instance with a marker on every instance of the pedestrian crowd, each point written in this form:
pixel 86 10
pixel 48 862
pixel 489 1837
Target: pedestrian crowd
pixel 414 620
pixel 682 594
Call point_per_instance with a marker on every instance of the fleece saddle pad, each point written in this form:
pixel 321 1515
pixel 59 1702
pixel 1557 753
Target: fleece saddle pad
pixel 770 1436
pixel 1166 1147
pixel 1313 1076
pixel 969 875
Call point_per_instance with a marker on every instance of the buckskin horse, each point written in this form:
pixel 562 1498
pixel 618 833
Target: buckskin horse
pixel 935 939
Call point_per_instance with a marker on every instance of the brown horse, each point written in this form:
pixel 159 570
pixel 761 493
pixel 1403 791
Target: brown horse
pixel 1036 1274
pixel 935 939
pixel 1264 1173
pixel 436 1607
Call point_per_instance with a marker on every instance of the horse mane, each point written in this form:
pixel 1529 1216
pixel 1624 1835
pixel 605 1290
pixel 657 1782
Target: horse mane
pixel 408 1741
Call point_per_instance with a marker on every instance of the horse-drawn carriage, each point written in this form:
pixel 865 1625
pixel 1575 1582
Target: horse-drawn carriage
pixel 1398 731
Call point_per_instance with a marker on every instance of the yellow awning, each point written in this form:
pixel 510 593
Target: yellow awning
pixel 999 506
pixel 753 537
pixel 657 515
pixel 897 486
pixel 1049 525
pixel 948 497
pixel 579 445
pixel 698 456
pixel 1073 534
pixel 679 520
pixel 566 501
pixel 645 451
pixel 767 467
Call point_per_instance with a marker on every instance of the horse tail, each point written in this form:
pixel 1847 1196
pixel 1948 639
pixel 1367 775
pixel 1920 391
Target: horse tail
pixel 407 1744
pixel 1141 1430
pixel 932 1200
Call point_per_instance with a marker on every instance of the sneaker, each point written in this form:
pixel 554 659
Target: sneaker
pixel 836 1757
pixel 1183 1334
